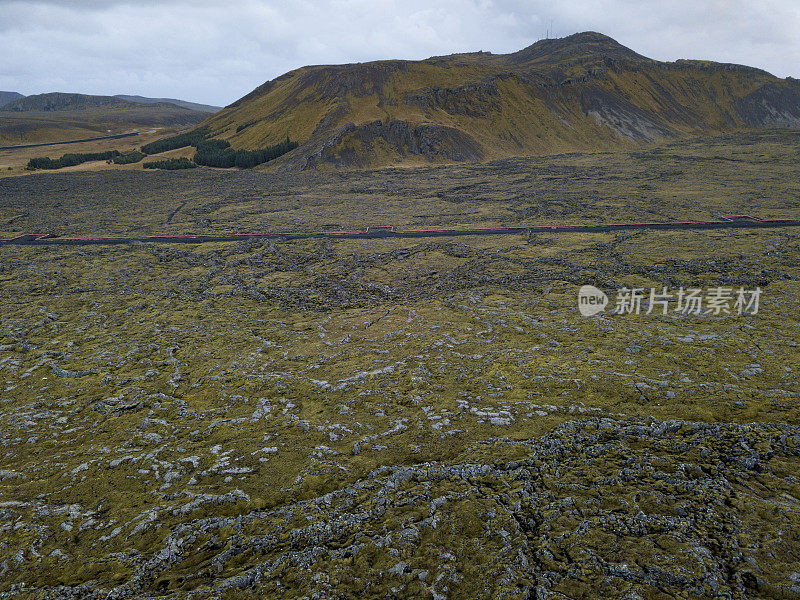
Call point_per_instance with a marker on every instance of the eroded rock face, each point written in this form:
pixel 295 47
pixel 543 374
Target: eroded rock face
pixel 346 148
pixel 474 100
pixel 771 105
pixel 624 118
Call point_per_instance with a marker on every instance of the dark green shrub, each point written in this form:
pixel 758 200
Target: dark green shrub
pixel 127 159
pixel 170 164
pixel 213 152
pixel 190 138
pixel 69 160
pixel 220 154
pixel 43 162
pixel 212 145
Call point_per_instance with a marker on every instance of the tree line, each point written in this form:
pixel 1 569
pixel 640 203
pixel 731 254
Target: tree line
pixel 69 160
pixel 170 164
pixel 190 138
pixel 218 153
pixel 130 158
pixel 211 152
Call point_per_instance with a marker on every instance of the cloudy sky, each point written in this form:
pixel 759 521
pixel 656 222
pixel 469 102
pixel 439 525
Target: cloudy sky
pixel 217 51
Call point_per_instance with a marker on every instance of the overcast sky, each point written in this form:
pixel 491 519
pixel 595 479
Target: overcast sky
pixel 215 52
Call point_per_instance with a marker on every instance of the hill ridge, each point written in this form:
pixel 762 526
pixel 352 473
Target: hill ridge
pixel 63 117
pixel 6 97
pixel 177 102
pixel 67 101
pixel 581 92
pixel 56 101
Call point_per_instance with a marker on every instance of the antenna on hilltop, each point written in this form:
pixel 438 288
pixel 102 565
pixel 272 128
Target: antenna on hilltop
pixel 548 30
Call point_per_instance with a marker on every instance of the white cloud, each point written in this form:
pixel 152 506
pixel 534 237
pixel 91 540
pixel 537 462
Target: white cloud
pixel 215 52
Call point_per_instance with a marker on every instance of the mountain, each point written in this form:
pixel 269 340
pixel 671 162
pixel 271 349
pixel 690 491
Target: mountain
pixel 6 97
pixel 582 92
pixel 59 101
pixel 12 101
pixel 57 116
pixel 182 103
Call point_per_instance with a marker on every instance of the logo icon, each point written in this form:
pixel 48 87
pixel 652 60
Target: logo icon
pixel 591 300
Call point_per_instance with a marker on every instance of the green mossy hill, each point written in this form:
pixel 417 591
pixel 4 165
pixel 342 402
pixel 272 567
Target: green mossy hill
pixel 582 92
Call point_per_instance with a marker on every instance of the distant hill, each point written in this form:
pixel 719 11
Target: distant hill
pixel 60 117
pixel 182 103
pixel 58 101
pixel 582 92
pixel 6 97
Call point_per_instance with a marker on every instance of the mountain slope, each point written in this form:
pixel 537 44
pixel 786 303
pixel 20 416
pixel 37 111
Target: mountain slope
pixel 6 97
pixel 12 101
pixel 58 101
pixel 58 117
pixel 182 103
pixel 582 92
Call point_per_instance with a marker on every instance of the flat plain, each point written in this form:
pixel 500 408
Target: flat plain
pixel 402 418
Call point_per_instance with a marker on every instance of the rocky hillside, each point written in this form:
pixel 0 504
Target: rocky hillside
pixel 582 92
pixel 6 97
